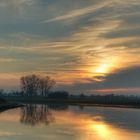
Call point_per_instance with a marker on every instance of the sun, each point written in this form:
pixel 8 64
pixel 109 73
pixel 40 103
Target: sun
pixel 107 65
pixel 103 68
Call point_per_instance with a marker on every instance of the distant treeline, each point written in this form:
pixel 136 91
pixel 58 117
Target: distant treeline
pixel 51 94
pixel 65 97
pixel 39 88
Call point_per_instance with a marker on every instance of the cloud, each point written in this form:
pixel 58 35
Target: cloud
pixel 78 12
pixel 124 81
pixel 133 32
pixel 16 3
pixel 80 55
pixel 102 38
pixel 5 60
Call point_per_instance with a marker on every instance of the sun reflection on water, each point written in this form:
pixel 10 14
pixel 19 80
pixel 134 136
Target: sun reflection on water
pixel 102 130
pixel 71 125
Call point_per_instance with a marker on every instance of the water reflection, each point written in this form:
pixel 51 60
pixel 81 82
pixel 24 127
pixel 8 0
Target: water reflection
pixel 58 107
pixel 126 118
pixel 70 123
pixel 33 114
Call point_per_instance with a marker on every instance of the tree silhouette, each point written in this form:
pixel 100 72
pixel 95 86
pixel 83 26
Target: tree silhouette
pixel 29 84
pixel 45 84
pixel 36 85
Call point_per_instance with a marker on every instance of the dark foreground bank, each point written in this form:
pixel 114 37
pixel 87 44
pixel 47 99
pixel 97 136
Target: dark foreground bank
pixel 98 101
pixel 4 104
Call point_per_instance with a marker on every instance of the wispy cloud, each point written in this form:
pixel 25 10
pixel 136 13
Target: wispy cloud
pixel 5 60
pixel 79 12
pixel 82 55
pixel 84 52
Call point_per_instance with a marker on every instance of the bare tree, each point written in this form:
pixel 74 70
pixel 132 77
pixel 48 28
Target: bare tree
pixel 45 84
pixel 36 85
pixel 30 84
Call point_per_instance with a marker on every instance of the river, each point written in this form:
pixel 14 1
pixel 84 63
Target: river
pixel 62 122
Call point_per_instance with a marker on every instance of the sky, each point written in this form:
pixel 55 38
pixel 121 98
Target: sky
pixel 87 46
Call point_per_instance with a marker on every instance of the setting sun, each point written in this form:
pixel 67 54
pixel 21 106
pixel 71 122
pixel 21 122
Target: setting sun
pixel 103 68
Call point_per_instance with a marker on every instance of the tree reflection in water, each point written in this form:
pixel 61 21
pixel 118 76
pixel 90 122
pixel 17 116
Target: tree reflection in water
pixel 33 114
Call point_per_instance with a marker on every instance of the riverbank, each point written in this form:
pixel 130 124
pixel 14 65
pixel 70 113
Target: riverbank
pixel 19 100
pixel 4 104
pixel 9 105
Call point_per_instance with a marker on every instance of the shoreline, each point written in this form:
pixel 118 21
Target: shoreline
pixel 9 105
pixel 19 101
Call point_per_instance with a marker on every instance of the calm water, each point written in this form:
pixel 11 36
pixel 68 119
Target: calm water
pixel 59 122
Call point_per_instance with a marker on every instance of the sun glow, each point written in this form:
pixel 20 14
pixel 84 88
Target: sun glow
pixel 105 66
pixel 102 130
